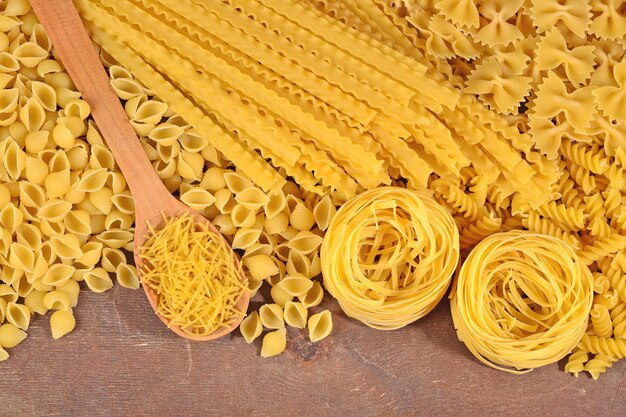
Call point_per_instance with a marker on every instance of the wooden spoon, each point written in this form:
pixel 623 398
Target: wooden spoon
pixel 72 43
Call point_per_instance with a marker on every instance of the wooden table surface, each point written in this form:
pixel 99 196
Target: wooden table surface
pixel 121 361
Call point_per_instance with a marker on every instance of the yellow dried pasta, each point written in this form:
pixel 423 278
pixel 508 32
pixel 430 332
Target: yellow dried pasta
pixel 376 246
pixel 541 294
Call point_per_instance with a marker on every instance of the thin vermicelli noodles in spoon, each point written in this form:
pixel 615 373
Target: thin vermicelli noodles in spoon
pixel 389 255
pixel 194 272
pixel 521 301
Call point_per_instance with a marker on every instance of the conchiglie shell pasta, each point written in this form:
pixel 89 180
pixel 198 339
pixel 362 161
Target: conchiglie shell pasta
pixel 197 198
pixel 166 134
pixel 243 217
pixel 251 327
pixel 93 180
pixel 279 295
pixel 22 257
pixel 271 316
pixel 295 285
pixel 34 302
pixel 98 280
pixel 320 326
pixel 127 276
pixel 61 323
pixel 29 235
pixel 258 249
pixel 295 314
pixel 298 264
pixel 124 203
pixel 236 182
pixel 71 289
pixel 224 224
pixel 313 296
pixel 115 238
pixel 18 315
pixel 33 115
pixel 35 170
pixel 244 238
pixel 57 300
pixel 252 198
pixel 10 335
pixel 224 201
pixel 58 274
pixel 112 258
pixel 78 222
pixel 11 217
pixel 45 94
pixel 323 212
pixel 276 224
pixel 260 266
pixel 66 246
pixel 213 179
pixel 305 242
pixel 274 343
pixel 30 54
pixel 301 218
pixel 54 210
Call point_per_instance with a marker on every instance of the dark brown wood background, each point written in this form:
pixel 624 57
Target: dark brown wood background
pixel 121 361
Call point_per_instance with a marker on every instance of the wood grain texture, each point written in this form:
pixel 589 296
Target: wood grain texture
pixel 122 361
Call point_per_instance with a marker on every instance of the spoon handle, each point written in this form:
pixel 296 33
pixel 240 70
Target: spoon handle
pixel 72 43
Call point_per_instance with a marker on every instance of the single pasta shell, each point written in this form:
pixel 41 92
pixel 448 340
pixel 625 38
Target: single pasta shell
pixel 66 246
pixel 242 216
pixel 34 302
pixel 260 266
pixel 295 285
pixel 58 274
pixel 295 314
pixel 323 212
pixel 320 326
pixel 301 218
pixel 236 182
pixel 298 264
pixel 252 198
pixel 93 180
pixel 276 204
pixel 258 249
pixel 280 296
pixel 274 343
pixel 11 336
pixel 314 296
pixel 276 224
pixel 18 315
pixel 98 280
pixel 271 316
pixel 251 327
pixel 54 210
pixel 61 323
pixel 305 242
pixel 127 276
pixel 71 289
pixel 197 198
pixel 57 300
pixel 244 238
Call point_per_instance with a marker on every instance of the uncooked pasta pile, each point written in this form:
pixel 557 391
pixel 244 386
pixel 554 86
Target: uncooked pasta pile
pixel 267 115
pixel 554 70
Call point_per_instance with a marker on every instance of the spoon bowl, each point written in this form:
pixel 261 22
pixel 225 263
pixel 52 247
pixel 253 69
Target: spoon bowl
pixel 154 217
pixel 152 199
